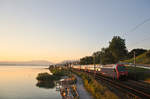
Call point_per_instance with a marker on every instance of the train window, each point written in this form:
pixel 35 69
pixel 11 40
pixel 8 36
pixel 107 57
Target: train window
pixel 121 68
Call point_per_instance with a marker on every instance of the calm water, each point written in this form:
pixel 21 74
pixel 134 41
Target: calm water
pixel 20 83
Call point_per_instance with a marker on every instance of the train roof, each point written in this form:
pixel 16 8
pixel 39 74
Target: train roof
pixel 110 65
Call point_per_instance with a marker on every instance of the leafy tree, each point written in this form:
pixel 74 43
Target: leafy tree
pixel 97 57
pixel 117 48
pixel 106 56
pixel 137 51
pixel 86 60
pixel 115 52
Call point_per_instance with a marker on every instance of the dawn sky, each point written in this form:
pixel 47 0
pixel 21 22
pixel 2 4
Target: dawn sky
pixel 57 30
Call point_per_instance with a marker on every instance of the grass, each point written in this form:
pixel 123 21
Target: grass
pixel 136 73
pixel 140 73
pixel 96 89
pixel 141 59
pixel 58 73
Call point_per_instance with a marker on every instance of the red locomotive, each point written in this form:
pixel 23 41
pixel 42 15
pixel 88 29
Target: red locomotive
pixel 117 71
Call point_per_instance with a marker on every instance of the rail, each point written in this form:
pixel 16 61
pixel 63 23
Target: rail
pixel 129 88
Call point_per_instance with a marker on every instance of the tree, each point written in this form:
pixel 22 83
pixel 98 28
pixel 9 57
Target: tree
pixel 117 48
pixel 97 57
pixel 115 52
pixel 86 60
pixel 106 56
pixel 137 51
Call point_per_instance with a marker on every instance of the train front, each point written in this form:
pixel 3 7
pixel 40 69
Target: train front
pixel 122 73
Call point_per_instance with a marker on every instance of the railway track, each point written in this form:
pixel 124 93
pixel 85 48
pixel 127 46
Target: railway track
pixel 134 89
pixel 130 88
pixel 139 86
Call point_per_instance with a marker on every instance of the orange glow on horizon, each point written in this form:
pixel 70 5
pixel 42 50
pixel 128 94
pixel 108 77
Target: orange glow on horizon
pixel 25 58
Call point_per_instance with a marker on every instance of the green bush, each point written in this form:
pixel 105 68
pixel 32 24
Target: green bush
pixel 44 77
pixel 56 74
pixel 45 80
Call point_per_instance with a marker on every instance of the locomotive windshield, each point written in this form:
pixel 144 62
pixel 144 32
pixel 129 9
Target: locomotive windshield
pixel 121 68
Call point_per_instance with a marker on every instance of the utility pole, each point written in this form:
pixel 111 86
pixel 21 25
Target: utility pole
pixel 100 62
pixel 134 59
pixel 100 59
pixel 94 65
pixel 70 68
pixel 80 67
pixel 135 64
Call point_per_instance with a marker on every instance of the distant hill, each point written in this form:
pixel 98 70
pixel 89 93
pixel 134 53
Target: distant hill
pixel 141 59
pixel 68 61
pixel 24 63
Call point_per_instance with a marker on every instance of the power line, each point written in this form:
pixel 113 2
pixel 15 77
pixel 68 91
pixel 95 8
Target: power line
pixel 140 41
pixel 137 26
pixel 134 29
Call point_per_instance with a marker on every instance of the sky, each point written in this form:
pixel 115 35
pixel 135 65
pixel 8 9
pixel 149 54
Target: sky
pixel 57 30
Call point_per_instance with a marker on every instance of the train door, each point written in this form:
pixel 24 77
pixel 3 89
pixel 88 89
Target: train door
pixel 114 74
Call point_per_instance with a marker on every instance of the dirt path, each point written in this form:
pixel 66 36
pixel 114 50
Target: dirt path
pixel 83 94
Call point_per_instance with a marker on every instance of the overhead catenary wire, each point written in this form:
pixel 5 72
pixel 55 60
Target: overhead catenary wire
pixel 140 41
pixel 134 29
pixel 130 31
pixel 137 26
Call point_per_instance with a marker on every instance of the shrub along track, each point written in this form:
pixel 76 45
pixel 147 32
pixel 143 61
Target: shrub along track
pixel 134 89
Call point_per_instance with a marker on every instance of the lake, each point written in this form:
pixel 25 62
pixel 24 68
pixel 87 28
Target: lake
pixel 19 82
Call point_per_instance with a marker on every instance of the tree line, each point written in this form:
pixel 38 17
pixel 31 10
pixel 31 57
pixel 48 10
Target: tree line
pixel 115 52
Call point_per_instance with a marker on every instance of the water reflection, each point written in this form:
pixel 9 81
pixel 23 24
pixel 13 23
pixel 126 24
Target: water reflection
pixel 45 80
pixel 14 78
pixel 45 84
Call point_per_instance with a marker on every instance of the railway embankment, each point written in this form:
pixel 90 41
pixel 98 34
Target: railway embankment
pixel 132 89
pixel 97 90
pixel 141 59
pixel 139 74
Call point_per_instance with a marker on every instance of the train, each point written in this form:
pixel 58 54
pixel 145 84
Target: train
pixel 114 71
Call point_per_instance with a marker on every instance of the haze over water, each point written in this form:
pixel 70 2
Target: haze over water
pixel 19 82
